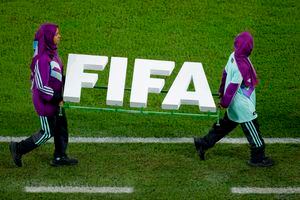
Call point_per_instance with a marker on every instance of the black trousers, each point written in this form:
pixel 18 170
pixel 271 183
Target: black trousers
pixel 250 129
pixel 54 126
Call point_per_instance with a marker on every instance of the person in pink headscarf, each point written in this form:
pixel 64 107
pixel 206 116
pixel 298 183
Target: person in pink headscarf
pixel 237 93
pixel 47 86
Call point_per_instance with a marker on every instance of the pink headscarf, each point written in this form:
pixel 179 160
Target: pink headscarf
pixel 243 45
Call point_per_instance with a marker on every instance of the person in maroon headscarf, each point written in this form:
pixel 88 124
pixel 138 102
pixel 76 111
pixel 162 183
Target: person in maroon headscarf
pixel 237 93
pixel 47 86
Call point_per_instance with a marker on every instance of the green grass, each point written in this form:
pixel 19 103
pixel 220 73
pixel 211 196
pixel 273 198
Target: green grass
pixel 200 31
pixel 158 171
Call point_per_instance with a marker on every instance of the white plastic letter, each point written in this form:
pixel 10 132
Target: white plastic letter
pixel 75 76
pixel 178 94
pixel 116 81
pixel 142 83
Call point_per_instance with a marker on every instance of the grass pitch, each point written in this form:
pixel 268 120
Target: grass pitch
pixel 200 31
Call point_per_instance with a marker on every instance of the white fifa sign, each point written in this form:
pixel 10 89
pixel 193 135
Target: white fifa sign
pixel 142 82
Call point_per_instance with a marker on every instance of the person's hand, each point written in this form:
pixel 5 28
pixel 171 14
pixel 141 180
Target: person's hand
pixel 220 106
pixel 61 104
pixel 220 95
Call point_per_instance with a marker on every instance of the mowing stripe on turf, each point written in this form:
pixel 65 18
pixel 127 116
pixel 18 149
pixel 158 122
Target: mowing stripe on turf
pixel 156 140
pixel 257 190
pixel 69 189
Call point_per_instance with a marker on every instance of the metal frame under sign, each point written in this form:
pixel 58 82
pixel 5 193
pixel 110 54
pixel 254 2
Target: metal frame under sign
pixel 145 112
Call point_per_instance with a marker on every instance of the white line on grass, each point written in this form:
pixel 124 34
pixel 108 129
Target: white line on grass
pixel 69 189
pixel 155 140
pixel 257 190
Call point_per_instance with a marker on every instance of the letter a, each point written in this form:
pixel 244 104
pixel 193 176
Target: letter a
pixel 178 94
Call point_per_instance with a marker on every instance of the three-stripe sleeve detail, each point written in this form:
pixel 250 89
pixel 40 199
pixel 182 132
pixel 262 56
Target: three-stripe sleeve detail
pixel 39 82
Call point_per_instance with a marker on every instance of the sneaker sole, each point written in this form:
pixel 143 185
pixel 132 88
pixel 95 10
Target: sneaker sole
pixel 62 165
pixel 259 164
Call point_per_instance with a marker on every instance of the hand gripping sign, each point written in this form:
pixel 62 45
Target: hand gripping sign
pixel 142 83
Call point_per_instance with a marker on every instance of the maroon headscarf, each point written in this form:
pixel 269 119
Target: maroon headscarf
pixel 243 45
pixel 43 42
pixel 44 36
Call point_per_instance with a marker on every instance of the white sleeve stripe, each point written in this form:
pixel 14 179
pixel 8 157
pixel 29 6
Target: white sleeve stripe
pixel 49 88
pixel 39 87
pixel 36 77
pixel 45 89
pixel 40 83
